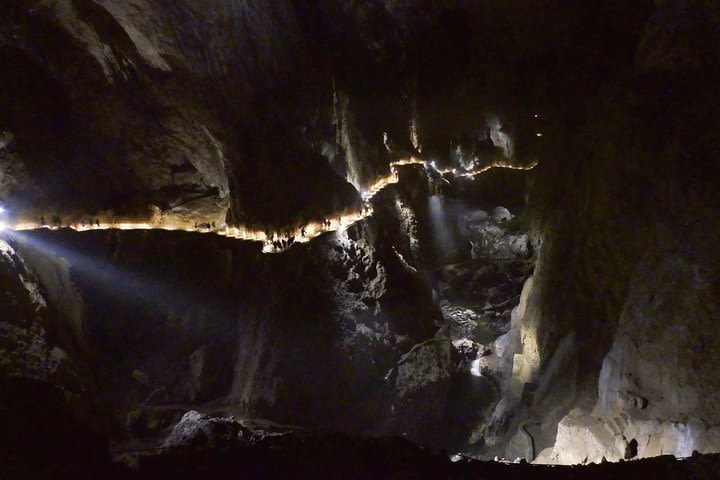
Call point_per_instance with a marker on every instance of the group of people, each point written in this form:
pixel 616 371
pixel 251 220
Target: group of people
pixel 327 224
pixel 281 241
pixel 281 244
pixel 56 222
pixel 205 226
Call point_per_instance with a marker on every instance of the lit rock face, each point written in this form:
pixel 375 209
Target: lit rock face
pixel 657 385
pixel 662 357
pixel 515 362
pixel 619 342
pixel 32 345
pixel 45 384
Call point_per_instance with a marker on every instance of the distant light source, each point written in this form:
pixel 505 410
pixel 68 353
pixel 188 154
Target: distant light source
pixel 539 134
pixel 536 115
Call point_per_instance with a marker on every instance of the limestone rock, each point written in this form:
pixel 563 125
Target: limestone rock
pixel 501 214
pixel 582 438
pixel 202 431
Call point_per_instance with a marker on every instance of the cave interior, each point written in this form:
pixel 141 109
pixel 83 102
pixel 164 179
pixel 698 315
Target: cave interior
pixel 359 238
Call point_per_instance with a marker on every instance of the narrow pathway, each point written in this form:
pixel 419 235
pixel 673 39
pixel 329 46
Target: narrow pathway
pixel 274 243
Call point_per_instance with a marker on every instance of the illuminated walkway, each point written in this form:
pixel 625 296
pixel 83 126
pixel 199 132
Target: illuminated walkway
pixel 276 244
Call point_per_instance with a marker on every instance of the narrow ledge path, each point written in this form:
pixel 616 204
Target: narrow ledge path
pixel 275 243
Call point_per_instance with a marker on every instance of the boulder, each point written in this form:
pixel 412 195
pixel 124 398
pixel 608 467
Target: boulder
pixel 197 430
pixel 501 214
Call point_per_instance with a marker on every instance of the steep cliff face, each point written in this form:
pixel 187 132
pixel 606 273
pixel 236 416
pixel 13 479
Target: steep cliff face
pixel 33 345
pixel 46 384
pixel 619 371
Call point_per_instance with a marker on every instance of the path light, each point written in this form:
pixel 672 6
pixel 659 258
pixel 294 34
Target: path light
pixel 311 230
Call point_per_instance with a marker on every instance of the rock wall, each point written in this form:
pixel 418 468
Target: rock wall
pixel 621 305
pixel 656 387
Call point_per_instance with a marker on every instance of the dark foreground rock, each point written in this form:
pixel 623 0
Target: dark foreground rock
pixel 51 446
pixel 337 456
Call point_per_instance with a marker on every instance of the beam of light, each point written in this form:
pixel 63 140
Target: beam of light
pixel 439 224
pixel 146 291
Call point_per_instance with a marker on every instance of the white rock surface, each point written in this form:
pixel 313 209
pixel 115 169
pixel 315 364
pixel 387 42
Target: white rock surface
pixel 501 214
pixel 659 381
